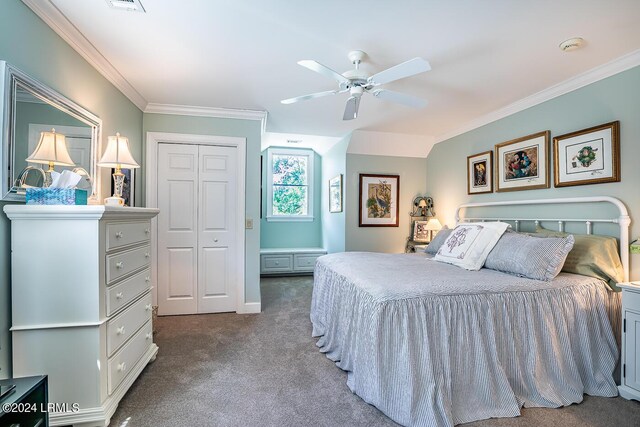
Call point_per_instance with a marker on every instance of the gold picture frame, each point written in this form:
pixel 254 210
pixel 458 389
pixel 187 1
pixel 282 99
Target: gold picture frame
pixel 523 163
pixel 588 156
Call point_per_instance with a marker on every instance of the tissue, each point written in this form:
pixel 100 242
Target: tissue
pixel 61 191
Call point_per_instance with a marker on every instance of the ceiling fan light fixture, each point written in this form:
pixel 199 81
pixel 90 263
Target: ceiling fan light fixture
pixel 573 43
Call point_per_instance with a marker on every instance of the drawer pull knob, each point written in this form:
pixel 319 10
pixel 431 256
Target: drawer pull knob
pixel 147 279
pixel 119 295
pixel 120 265
pixel 277 262
pixel 122 367
pixel 119 235
pixel 215 240
pixel 120 330
pixel 147 254
pixel 147 231
pixel 148 307
pixel 149 335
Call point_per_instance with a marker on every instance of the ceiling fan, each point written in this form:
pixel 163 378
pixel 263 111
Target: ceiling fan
pixel 357 82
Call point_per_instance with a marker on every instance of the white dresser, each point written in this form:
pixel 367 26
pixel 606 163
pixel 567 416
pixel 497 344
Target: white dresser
pixel 81 303
pixel 630 357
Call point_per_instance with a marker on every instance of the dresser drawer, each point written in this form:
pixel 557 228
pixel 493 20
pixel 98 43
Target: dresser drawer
pixel 123 361
pixel 305 262
pixel 122 263
pixel 276 263
pixel 127 233
pixel 126 291
pixel 125 324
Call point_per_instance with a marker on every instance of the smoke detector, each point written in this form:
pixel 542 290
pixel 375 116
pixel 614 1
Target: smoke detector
pixel 572 44
pixel 128 5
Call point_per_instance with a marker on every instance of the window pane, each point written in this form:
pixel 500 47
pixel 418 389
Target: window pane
pixel 289 170
pixel 289 200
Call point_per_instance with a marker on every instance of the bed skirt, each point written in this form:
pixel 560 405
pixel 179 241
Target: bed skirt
pixel 442 360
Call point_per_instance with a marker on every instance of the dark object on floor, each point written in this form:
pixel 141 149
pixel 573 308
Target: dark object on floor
pixel 26 405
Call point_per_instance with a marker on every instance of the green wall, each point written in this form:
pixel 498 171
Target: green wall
pixel 293 234
pixel 334 162
pixel 30 45
pixel 613 98
pixel 249 129
pixel 412 183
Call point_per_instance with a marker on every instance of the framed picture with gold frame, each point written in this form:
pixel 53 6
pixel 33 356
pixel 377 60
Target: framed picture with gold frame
pixel 523 163
pixel 480 173
pixel 588 156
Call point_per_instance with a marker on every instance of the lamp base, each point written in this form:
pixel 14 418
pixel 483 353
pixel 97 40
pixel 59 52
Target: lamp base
pixel 114 201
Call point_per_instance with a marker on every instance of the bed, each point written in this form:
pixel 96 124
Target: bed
pixel 431 344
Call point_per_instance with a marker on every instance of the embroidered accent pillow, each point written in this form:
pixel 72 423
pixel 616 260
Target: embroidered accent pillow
pixel 469 244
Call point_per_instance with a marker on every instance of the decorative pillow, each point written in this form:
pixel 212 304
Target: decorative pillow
pixel 469 244
pixel 438 240
pixel 527 256
pixel 593 256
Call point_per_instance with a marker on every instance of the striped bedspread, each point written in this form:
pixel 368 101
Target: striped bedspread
pixel 430 344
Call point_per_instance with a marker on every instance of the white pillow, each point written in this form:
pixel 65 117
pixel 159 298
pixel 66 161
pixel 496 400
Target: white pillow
pixel 469 244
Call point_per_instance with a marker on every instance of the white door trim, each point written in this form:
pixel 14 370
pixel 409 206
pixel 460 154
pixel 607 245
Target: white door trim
pixel 151 180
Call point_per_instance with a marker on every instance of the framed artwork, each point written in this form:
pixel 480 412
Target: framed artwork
pixel 379 196
pixel 335 194
pixel 128 190
pixel 420 232
pixel 523 163
pixel 480 173
pixel 588 156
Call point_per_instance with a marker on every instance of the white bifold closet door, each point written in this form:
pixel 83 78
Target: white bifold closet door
pixel 197 190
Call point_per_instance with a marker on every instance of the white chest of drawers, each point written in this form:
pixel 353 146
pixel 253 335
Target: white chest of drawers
pixel 81 303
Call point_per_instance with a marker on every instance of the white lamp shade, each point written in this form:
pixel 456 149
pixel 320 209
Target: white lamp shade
pixel 433 225
pixel 52 148
pixel 117 154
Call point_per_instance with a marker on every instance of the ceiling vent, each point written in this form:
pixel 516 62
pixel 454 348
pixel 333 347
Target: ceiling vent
pixel 294 141
pixel 128 5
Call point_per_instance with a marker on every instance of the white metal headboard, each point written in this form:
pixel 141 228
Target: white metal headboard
pixel 623 220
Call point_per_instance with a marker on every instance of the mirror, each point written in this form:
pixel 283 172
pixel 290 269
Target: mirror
pixel 31 108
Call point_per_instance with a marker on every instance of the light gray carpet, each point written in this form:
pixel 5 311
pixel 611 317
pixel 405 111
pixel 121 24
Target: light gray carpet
pixel 265 370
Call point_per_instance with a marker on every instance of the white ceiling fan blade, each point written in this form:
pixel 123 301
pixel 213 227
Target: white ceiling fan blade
pixel 351 109
pixel 310 96
pixel 324 70
pixel 400 98
pixel 406 69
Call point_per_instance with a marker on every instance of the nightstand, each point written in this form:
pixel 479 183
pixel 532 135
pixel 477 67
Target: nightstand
pixel 413 246
pixel 630 358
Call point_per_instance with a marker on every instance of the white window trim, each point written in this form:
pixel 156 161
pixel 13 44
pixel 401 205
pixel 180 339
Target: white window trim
pixel 310 181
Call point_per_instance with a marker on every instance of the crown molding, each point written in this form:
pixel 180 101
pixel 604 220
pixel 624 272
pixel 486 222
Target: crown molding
pixel 221 113
pixel 603 71
pixel 59 23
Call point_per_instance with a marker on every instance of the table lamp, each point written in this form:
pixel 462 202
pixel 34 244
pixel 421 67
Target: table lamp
pixel 432 225
pixel 52 151
pixel 118 156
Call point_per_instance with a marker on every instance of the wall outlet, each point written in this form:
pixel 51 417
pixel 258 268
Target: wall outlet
pixel 634 248
pixel 249 224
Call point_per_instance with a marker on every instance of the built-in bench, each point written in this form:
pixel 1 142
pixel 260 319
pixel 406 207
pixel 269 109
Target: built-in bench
pixel 285 261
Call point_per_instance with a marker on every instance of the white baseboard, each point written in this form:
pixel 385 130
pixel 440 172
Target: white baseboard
pixel 250 308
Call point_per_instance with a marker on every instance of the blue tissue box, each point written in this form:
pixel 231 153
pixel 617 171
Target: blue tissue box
pixel 56 196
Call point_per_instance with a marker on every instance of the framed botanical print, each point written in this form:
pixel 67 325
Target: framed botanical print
pixel 420 232
pixel 379 196
pixel 335 194
pixel 523 163
pixel 588 156
pixel 480 173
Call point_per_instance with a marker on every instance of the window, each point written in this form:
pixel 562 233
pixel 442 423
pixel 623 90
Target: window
pixel 289 185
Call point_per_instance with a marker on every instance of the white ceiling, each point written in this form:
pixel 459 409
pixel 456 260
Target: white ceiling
pixel 242 54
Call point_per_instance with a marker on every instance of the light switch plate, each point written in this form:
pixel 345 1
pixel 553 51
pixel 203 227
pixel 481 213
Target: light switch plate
pixel 249 224
pixel 634 249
